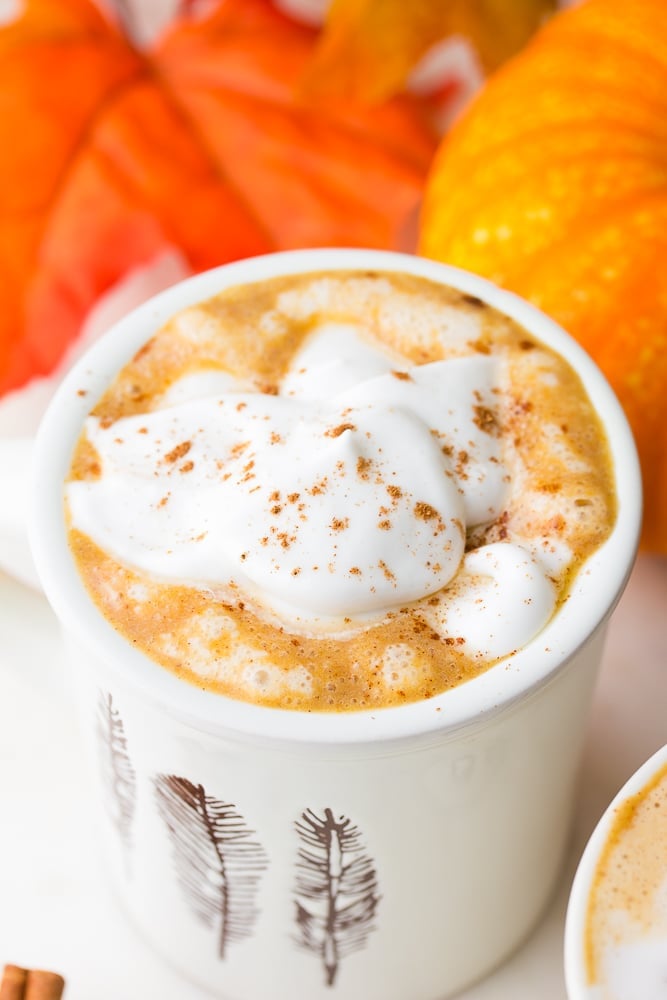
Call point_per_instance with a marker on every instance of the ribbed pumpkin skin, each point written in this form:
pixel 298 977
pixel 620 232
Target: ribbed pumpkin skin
pixel 554 184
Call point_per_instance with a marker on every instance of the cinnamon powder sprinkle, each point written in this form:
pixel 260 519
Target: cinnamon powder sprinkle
pixel 178 452
pixel 395 492
pixel 425 512
pixel 319 487
pixel 403 376
pixel 335 432
pixel 355 571
pixel 385 569
pixel 363 466
pixel 340 523
pixel 293 497
pixel 187 467
pixel 384 525
pixel 485 419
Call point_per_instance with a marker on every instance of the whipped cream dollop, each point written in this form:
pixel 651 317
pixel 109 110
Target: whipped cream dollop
pixel 347 494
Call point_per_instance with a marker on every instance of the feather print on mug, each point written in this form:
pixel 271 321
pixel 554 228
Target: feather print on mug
pixel 336 889
pixel 218 862
pixel 118 774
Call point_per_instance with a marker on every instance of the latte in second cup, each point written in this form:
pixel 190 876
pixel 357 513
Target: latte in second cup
pixel 338 490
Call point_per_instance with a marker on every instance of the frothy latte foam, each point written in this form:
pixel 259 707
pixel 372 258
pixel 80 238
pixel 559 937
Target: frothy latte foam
pixel 626 927
pixel 338 490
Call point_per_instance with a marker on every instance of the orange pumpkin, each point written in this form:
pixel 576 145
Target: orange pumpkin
pixel 554 184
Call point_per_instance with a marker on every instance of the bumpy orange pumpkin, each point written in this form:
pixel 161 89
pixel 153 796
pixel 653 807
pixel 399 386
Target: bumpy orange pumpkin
pixel 554 184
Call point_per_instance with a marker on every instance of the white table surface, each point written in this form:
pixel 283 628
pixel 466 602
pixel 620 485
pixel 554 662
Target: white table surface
pixel 55 908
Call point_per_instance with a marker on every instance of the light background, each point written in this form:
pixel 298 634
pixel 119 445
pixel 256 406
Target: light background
pixel 55 908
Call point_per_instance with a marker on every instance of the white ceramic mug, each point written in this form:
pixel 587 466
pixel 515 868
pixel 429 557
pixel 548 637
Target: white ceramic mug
pixel 635 967
pixel 438 827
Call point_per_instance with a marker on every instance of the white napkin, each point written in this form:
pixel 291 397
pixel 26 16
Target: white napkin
pixel 22 410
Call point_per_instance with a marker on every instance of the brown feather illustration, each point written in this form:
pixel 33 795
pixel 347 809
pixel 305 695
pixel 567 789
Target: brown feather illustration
pixel 118 774
pixel 217 861
pixel 336 889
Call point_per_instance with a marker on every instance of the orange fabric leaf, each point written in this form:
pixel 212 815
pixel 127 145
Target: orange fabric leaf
pixel 111 156
pixel 370 46
pixel 554 184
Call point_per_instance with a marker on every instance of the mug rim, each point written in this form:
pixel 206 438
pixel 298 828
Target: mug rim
pixel 576 980
pixel 597 587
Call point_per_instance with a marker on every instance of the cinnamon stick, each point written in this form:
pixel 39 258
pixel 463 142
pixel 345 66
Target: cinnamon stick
pixel 13 983
pixel 43 985
pixel 30 984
